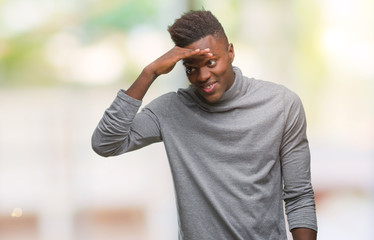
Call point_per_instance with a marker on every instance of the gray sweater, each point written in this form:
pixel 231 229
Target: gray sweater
pixel 232 162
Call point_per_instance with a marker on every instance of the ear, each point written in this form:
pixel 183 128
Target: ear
pixel 231 52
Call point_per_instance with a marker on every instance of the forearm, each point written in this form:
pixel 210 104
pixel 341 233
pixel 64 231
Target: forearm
pixel 304 234
pixel 141 85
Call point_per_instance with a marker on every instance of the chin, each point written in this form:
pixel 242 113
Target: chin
pixel 212 99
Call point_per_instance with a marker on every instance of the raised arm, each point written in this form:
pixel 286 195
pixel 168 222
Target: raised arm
pixel 121 129
pixel 162 65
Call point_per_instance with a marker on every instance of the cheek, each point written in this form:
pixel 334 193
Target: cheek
pixel 221 70
pixel 223 66
pixel 191 79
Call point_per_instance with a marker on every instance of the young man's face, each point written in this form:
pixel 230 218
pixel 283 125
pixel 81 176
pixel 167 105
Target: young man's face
pixel 211 75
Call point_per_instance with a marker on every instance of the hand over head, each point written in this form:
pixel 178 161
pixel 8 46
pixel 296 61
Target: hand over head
pixel 166 62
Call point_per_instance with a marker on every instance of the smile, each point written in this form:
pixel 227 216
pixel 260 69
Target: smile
pixel 209 88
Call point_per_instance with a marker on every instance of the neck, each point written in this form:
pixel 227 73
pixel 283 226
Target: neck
pixel 231 78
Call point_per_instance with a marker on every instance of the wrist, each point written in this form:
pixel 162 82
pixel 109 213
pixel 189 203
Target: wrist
pixel 304 234
pixel 150 72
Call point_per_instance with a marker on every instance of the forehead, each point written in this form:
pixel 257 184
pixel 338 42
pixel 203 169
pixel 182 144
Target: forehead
pixel 214 44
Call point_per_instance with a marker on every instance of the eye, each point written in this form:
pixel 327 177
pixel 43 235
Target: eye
pixel 211 63
pixel 190 70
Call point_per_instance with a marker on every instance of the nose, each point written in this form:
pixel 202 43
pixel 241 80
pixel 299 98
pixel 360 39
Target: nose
pixel 204 74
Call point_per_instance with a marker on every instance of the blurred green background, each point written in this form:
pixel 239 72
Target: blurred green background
pixel 62 62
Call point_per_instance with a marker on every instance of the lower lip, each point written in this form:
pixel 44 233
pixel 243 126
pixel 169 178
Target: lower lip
pixel 208 90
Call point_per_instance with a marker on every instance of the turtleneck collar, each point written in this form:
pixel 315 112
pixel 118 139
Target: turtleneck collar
pixel 191 96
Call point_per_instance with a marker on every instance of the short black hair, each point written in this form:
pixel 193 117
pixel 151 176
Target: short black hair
pixel 194 25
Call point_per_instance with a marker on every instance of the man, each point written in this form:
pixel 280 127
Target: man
pixel 237 146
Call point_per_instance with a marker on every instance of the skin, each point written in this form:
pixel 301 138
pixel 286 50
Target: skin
pixel 162 65
pixel 208 64
pixel 304 234
pixel 211 75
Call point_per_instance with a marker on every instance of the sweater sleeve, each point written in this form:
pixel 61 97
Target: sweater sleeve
pixel 295 158
pixel 122 129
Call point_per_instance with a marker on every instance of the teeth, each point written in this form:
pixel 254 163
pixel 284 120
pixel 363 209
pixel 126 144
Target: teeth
pixel 208 87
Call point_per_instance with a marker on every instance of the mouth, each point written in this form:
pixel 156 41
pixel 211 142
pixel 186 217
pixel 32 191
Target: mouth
pixel 209 87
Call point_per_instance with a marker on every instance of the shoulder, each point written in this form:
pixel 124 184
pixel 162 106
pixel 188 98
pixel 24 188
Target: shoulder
pixel 268 86
pixel 266 89
pixel 275 89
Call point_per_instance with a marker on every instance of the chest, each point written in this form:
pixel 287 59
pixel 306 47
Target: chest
pixel 247 130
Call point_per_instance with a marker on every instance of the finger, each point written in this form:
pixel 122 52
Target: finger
pixel 189 53
pixel 206 52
